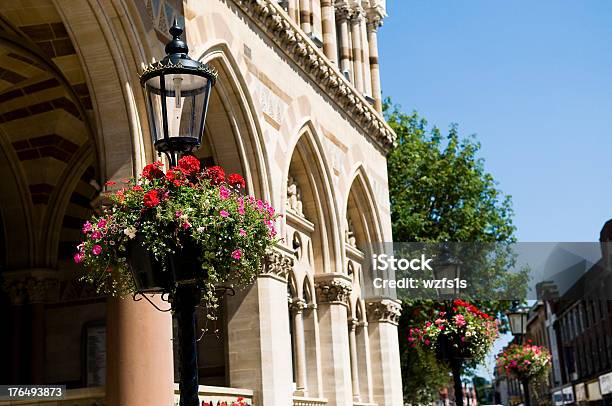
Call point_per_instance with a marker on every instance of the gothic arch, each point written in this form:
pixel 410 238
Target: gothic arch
pixel 361 207
pixel 309 165
pixel 231 111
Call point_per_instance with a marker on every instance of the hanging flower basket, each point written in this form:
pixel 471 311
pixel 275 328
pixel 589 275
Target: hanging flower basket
pixel 187 225
pixel 468 334
pixel 525 362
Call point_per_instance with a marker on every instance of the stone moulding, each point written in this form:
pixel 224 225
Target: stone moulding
pixel 272 19
pixel 384 311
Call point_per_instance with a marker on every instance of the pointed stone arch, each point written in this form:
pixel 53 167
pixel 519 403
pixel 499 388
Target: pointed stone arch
pixel 233 131
pixel 309 166
pixel 361 207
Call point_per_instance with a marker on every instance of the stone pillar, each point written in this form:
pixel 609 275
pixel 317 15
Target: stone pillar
pixel 333 291
pixel 293 9
pixel 313 351
pixel 258 334
pixel 354 360
pixel 305 15
pixel 297 309
pixel 356 19
pixel 139 353
pixel 342 18
pixel 366 364
pixel 317 19
pixel 374 21
pixel 37 291
pixel 383 316
pixel 365 49
pixel 329 30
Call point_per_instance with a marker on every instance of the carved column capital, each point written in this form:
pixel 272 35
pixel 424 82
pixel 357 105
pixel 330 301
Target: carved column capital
pixel 278 263
pixel 297 305
pixel 343 11
pixel 333 288
pixel 32 286
pixel 384 311
pixel 374 19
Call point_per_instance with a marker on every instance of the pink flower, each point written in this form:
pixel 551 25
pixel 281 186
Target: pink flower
pixel 224 213
pixel 186 225
pixel 460 320
pixel 78 257
pixel 224 192
pixel 178 213
pixel 96 249
pixel 237 254
pixel 241 210
pixel 101 223
pixel 242 232
pixel 96 235
pixel 86 227
pixel 427 342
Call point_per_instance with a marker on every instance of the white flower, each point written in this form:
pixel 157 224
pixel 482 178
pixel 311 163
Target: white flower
pixel 130 232
pixel 200 229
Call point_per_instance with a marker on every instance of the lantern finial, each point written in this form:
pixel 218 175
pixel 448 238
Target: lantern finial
pixel 176 45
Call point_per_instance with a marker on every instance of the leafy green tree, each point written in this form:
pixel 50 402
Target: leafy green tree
pixel 440 191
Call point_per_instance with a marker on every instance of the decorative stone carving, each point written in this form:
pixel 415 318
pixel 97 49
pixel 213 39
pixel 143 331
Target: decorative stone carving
pixel 333 288
pixel 277 263
pixel 273 21
pixel 294 197
pixel 349 234
pixel 384 311
pixel 297 305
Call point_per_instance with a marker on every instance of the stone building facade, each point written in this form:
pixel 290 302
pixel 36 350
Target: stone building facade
pixel 296 110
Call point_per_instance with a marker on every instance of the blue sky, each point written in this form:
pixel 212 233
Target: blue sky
pixel 533 81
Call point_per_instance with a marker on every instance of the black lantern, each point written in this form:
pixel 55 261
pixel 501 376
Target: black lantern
pixel 448 268
pixel 517 317
pixel 177 91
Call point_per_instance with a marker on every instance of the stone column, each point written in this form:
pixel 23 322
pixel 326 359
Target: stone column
pixel 293 9
pixel 259 343
pixel 356 19
pixel 342 18
pixel 313 351
pixel 297 309
pixel 383 316
pixel 317 19
pixel 305 14
pixel 333 291
pixel 374 21
pixel 329 30
pixel 365 48
pixel 354 360
pixel 367 362
pixel 139 353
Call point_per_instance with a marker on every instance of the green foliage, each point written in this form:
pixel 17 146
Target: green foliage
pixel 440 191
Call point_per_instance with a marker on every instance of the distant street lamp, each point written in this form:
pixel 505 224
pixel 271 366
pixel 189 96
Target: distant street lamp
pixel 518 317
pixel 177 91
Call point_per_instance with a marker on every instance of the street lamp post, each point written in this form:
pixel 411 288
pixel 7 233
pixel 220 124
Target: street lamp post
pixel 518 317
pixel 448 267
pixel 177 92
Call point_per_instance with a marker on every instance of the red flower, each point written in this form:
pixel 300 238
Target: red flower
pixel 110 183
pixel 216 174
pixel 189 165
pixel 174 177
pixel 152 171
pixel 151 198
pixel 236 180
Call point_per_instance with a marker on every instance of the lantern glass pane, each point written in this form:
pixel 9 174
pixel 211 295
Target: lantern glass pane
pixel 449 272
pixel 185 98
pixel 154 107
pixel 518 322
